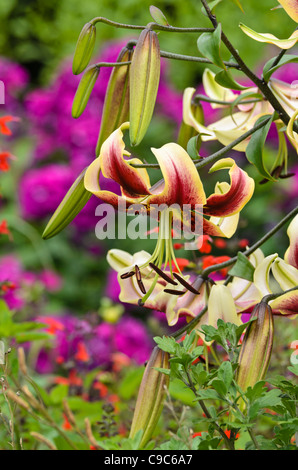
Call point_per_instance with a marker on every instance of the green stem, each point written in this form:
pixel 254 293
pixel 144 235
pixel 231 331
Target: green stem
pixel 153 26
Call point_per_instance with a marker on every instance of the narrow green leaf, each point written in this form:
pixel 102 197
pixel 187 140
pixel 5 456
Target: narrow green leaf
pixel 158 16
pixel 254 150
pixel 242 268
pixel 270 68
pixel 209 45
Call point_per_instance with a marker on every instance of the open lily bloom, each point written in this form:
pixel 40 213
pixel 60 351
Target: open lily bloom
pixel 235 124
pixel 291 7
pixel 180 187
pixel 275 275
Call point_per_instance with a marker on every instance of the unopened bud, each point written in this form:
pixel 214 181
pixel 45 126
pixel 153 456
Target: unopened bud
pixel 151 396
pixel 84 48
pixel 116 105
pixel 256 347
pixel 74 201
pixel 144 82
pixel 84 91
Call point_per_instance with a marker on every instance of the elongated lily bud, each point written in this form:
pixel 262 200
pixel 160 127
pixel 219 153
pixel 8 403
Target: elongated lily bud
pixel 84 91
pixel 74 201
pixel 151 396
pixel 116 105
pixel 256 348
pixel 186 132
pixel 84 48
pixel 144 81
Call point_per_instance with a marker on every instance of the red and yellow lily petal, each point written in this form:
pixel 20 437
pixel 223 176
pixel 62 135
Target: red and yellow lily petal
pixel 134 182
pixel 270 38
pixel 286 304
pixel 285 274
pixel 182 183
pixel 240 191
pixel 291 7
pixel 221 226
pixel 291 255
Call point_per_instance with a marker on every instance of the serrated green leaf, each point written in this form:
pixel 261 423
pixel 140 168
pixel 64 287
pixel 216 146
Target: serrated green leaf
pixel 226 374
pixel 242 268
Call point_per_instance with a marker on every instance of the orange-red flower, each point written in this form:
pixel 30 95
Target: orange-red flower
pixel 4 157
pixel 4 129
pixel 82 354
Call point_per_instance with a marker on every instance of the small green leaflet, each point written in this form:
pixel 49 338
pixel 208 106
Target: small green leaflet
pixel 242 268
pixel 270 68
pixel 209 45
pixel 225 79
pixel 158 16
pixel 254 150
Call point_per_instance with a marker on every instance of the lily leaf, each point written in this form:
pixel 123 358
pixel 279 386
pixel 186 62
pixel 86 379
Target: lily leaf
pixel 209 45
pixel 242 268
pixel 225 79
pixel 254 150
pixel 270 68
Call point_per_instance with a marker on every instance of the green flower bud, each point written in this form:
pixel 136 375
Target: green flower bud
pixel 84 48
pixel 151 396
pixel 144 82
pixel 84 91
pixel 74 201
pixel 116 105
pixel 256 347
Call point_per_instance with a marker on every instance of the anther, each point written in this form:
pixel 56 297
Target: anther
pixel 127 275
pixel 163 275
pixel 174 292
pixel 186 284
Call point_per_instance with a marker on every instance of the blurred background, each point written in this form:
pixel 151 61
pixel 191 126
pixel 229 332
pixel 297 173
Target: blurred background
pixel 68 277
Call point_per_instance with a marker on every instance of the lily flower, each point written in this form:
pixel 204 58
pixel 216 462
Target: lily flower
pixel 181 186
pixel 275 275
pixel 291 7
pixel 234 125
